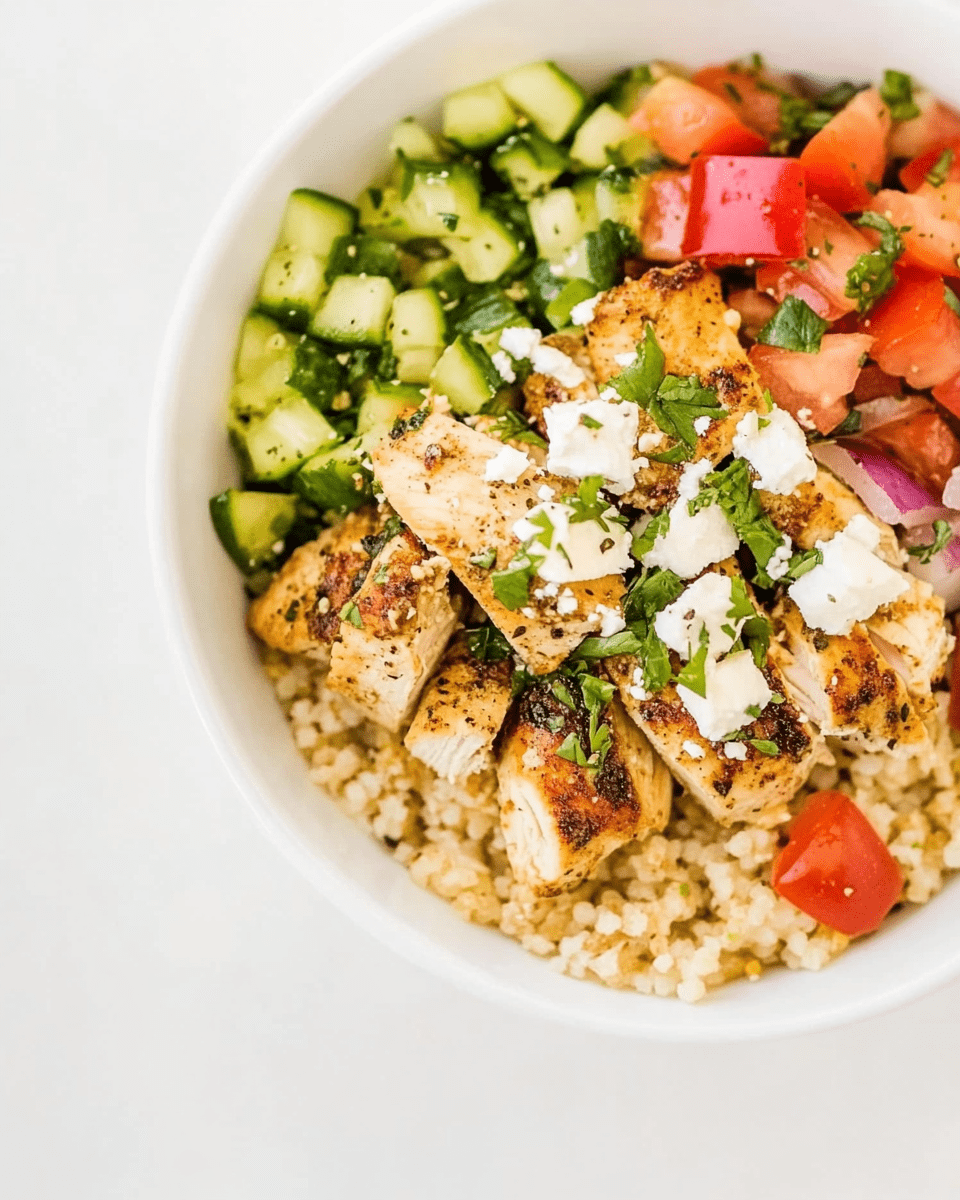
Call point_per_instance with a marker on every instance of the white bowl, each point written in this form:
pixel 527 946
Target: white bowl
pixel 336 142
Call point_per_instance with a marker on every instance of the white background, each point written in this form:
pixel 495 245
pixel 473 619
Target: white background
pixel 180 1015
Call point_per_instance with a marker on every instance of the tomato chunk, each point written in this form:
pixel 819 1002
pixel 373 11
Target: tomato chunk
pixel 873 382
pixel 923 444
pixel 665 216
pixel 752 96
pixel 928 227
pixel 745 208
pixel 835 868
pixel 685 120
pixel 845 160
pixel 917 333
pixel 935 126
pixel 813 387
pixel 915 172
pixel 833 245
pixel 948 394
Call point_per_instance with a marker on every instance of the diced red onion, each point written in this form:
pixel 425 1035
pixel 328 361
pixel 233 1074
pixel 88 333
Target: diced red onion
pixel 883 485
pixel 951 492
pixel 943 570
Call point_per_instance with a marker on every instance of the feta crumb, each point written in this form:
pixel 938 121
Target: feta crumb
pixel 779 564
pixel 582 313
pixel 701 424
pixel 545 492
pixel 610 393
pixel 548 360
pixel 804 416
pixel 528 612
pixel 732 318
pixel 704 604
pixel 577 551
pixel 777 451
pixel 636 688
pixel 611 620
pixel 627 359
pixel 851 583
pixel 578 450
pixel 834 680
pixel 734 750
pixel 732 686
pixel 519 341
pixel 567 603
pixel 693 542
pixel 501 360
pixel 649 441
pixel 693 749
pixel 506 466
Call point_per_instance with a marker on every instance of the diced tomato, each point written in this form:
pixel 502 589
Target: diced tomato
pixel 935 126
pixel 849 153
pixel 685 120
pixel 665 216
pixel 745 208
pixel 948 394
pixel 756 105
pixel 953 715
pixel 917 333
pixel 755 309
pixel 873 382
pixel 915 172
pixel 813 387
pixel 930 238
pixel 923 444
pixel 835 867
pixel 833 246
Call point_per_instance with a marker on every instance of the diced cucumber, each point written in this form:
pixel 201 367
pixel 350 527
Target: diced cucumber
pixel 529 163
pixel 251 524
pixel 547 95
pixel 571 294
pixel 556 223
pixel 293 278
pixel 411 139
pixel 485 248
pixel 382 403
pixel 585 197
pixel 261 342
pixel 445 277
pixel 438 198
pixel 276 444
pixel 360 255
pixel 477 116
pixel 598 138
pixel 417 333
pixel 383 214
pixel 622 198
pixel 334 480
pixel 466 376
pixel 354 312
pixel 273 364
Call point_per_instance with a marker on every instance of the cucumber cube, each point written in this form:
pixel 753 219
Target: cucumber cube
pixel 251 524
pixel 291 286
pixel 556 223
pixel 276 444
pixel 354 312
pixel 547 96
pixel 529 163
pixel 598 137
pixel 466 376
pixel 411 139
pixel 571 294
pixel 486 250
pixel 477 116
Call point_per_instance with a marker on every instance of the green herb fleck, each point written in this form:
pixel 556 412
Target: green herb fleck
pixel 765 747
pixel 656 527
pixel 512 427
pixel 351 613
pixel 953 301
pixel 942 534
pixel 590 422
pixel 488 644
pixel 871 276
pixel 937 175
pixel 571 749
pixel 897 93
pixel 794 326
pixel 561 692
pixel 485 558
pixel 511 586
pixel 694 674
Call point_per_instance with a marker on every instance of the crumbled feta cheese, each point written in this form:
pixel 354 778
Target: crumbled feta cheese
pixel 611 620
pixel 582 313
pixel 547 592
pixel 701 424
pixel 501 360
pixel 529 613
pixel 733 686
pixel 694 749
pixel 548 360
pixel 519 341
pixel 506 466
pixel 693 542
pixel 576 551
pixel 851 583
pixel 545 492
pixel 648 441
pixel 636 688
pixel 779 564
pixel 610 393
pixel 567 603
pixel 641 463
pixel 734 750
pixel 732 318
pixel 804 416
pixel 704 604
pixel 777 451
pixel 578 450
pixel 627 359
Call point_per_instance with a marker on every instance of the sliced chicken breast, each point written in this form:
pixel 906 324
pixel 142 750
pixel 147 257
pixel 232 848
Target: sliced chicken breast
pixel 460 714
pixel 299 612
pixel 394 631
pixel 540 391
pixel 559 819
pixel 434 477
pixel 686 307
pixel 913 637
pixel 845 685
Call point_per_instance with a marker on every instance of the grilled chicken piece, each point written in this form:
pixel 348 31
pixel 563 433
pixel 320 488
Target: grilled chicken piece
pixel 559 820
pixel 730 789
pixel 816 511
pixel 686 307
pixel 433 476
pixel 299 612
pixel 845 685
pixel 460 714
pixel 402 617
pixel 912 636
pixel 540 391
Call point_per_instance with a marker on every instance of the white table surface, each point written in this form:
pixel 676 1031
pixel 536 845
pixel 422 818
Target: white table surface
pixel 180 1014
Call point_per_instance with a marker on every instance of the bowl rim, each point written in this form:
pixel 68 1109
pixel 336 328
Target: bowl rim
pixel 335 884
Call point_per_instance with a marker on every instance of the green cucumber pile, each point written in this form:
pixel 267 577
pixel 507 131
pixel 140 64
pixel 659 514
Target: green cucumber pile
pixel 526 205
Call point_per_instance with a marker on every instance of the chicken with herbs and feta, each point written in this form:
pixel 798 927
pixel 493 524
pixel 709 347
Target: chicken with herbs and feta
pixel 610 445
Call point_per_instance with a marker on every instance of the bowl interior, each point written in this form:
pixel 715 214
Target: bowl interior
pixel 337 143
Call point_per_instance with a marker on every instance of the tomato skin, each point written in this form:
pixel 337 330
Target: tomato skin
pixel 757 106
pixel 665 216
pixel 835 868
pixel 917 333
pixel 873 382
pixel 923 444
pixel 849 153
pixel 914 173
pixel 745 208
pixel 813 387
pixel 931 238
pixel 685 120
pixel 936 125
pixel 948 394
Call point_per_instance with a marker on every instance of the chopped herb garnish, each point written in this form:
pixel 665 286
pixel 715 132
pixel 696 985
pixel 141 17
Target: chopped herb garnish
pixel 511 586
pixel 596 696
pixel 593 649
pixel 937 175
pixel 755 630
pixel 382 575
pixel 753 710
pixel 411 424
pixel 572 751
pixel 546 527
pixel 794 326
pixel 871 276
pixel 942 533
pixel 512 427
pixel 694 674
pixel 656 527
pixel 733 93
pixel 555 724
pixel 590 422
pixel 802 562
pixel 488 644
pixel 589 505
pixel 484 558
pixel 639 381
pixel 562 693
pixel 765 747
pixel 850 424
pixel 351 613
pixel 897 93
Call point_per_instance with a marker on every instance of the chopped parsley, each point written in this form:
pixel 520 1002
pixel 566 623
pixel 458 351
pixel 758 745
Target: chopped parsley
pixel 942 534
pixel 755 631
pixel 571 749
pixel 484 558
pixel 382 575
pixel 765 746
pixel 596 696
pixel 804 561
pixel 511 585
pixel 694 674
pixel 590 422
pixel 794 326
pixel 351 613
pixel 487 644
pixel 937 175
pixel 594 648
pixel 512 427
pixel 897 94
pixel 561 692
pixel 656 527
pixel 588 505
pixel 871 276
pixel 412 423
